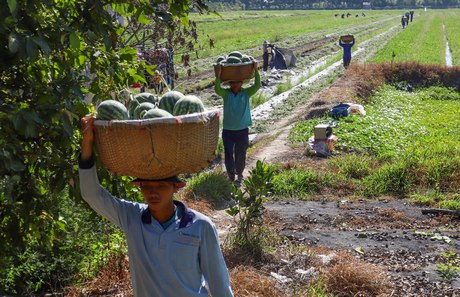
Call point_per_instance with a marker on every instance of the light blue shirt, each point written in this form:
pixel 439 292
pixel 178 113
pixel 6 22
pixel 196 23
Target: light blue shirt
pixel 175 261
pixel 237 111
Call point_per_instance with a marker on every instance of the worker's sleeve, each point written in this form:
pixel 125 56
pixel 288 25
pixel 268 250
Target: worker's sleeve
pixel 252 90
pixel 218 88
pixel 108 206
pixel 212 263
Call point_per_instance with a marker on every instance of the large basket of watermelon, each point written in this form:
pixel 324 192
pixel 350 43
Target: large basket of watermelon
pixel 236 66
pixel 154 143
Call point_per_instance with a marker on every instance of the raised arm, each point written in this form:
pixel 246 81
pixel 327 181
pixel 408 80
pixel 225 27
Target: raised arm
pixel 217 84
pixel 92 192
pixel 252 90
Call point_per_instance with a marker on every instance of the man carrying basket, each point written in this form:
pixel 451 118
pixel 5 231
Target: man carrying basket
pixel 173 250
pixel 237 119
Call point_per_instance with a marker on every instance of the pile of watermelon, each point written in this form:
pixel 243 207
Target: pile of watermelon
pixel 148 106
pixel 235 57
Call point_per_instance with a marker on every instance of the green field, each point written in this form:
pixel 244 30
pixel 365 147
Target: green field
pixel 452 22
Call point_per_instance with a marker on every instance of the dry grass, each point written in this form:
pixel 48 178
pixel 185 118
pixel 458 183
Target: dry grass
pixel 113 279
pixel 353 88
pixel 348 276
pixel 248 281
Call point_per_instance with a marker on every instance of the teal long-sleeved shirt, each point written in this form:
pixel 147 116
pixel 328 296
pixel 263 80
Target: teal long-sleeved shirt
pixel 237 111
pixel 176 262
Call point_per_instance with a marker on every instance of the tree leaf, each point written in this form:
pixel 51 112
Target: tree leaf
pixel 74 41
pixel 13 6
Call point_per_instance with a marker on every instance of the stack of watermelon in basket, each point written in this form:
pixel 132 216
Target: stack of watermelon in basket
pixel 236 66
pixel 155 137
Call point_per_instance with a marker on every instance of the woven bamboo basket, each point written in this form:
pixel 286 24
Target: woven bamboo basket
pixel 158 148
pixel 347 38
pixel 237 72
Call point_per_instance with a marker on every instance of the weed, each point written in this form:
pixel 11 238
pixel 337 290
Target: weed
pixel 298 182
pixel 283 87
pixel 257 100
pixel 430 197
pixel 394 178
pixel 353 165
pixel 210 186
pixel 450 270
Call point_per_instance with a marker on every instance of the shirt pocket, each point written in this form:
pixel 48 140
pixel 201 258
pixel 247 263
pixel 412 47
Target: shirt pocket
pixel 184 255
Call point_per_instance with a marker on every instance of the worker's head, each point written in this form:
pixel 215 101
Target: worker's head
pixel 159 192
pixel 235 85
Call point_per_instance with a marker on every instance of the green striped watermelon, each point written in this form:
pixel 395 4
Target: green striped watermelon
pixel 146 97
pixel 132 104
pixel 111 110
pixel 156 113
pixel 169 99
pixel 142 109
pixel 187 105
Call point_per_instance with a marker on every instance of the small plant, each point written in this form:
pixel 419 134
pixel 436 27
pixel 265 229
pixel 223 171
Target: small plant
pixel 449 271
pixel 353 166
pixel 257 100
pixel 283 87
pixel 248 209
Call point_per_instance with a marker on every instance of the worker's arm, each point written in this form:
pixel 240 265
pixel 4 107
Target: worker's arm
pixel 108 206
pixel 252 90
pixel 217 84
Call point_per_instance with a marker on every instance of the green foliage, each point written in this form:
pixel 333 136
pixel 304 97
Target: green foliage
pixel 450 270
pixel 208 185
pixel 354 165
pixel 257 99
pixel 248 209
pixel 283 87
pixel 299 182
pixel 439 93
pixel 393 178
pixel 57 57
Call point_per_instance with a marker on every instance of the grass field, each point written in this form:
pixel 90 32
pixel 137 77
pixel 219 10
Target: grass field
pixel 235 31
pixel 421 41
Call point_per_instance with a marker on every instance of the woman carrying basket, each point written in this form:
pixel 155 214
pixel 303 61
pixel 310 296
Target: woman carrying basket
pixel 173 250
pixel 237 119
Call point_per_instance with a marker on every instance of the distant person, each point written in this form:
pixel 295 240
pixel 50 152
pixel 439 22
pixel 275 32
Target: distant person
pixel 237 119
pixel 407 14
pixel 363 14
pixel 346 51
pixel 173 250
pixel 403 21
pixel 411 15
pixel 343 15
pixel 265 55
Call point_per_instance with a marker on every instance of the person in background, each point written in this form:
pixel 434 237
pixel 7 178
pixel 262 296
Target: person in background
pixel 173 250
pixel 265 55
pixel 403 21
pixel 411 15
pixel 346 51
pixel 237 119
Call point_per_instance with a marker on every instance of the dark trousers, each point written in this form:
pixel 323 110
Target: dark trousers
pixel 236 144
pixel 346 61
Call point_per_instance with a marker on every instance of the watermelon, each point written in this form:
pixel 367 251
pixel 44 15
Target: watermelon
pixel 220 59
pixel 187 105
pixel 146 97
pixel 132 104
pixel 156 113
pixel 169 99
pixel 246 59
pixel 236 54
pixel 111 110
pixel 233 60
pixel 142 109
